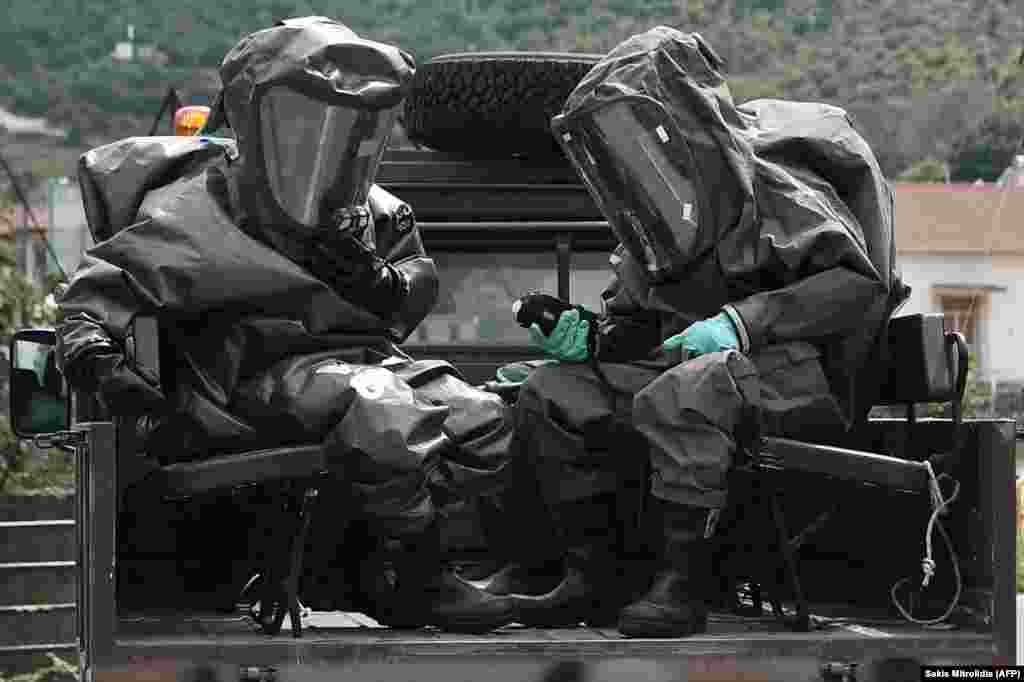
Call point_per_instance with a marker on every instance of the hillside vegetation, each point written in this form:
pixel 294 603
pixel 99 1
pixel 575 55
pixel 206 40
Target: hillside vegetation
pixel 918 76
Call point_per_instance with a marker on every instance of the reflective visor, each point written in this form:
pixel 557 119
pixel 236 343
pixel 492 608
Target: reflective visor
pixel 642 176
pixel 319 157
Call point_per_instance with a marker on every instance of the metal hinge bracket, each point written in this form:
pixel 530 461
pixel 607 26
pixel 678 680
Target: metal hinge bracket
pixel 65 440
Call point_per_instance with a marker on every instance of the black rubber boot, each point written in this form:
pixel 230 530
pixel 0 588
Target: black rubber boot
pixel 532 563
pixel 580 598
pixel 424 591
pixel 533 578
pixel 588 590
pixel 675 604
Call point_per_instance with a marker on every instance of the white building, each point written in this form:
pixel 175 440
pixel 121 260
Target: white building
pixel 961 249
pixel 1013 177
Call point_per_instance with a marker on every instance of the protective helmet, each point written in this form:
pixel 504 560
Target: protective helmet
pixel 312 106
pixel 639 128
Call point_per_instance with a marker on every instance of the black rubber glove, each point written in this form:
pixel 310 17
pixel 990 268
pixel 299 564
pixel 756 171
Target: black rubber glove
pixel 122 391
pixel 542 309
pixel 357 273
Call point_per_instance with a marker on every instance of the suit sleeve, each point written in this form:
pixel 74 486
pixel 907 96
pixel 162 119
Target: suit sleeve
pixel 821 281
pixel 400 244
pixel 97 310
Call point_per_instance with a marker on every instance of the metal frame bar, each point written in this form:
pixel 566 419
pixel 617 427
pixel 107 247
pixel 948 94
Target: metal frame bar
pixel 801 622
pixel 567 226
pixel 96 468
pixel 563 250
pixel 996 471
pixel 853 465
pixel 398 186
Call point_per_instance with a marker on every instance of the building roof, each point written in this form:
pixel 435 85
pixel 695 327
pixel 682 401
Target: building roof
pixel 958 218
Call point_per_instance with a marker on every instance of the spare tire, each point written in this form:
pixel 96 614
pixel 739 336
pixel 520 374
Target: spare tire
pixel 492 103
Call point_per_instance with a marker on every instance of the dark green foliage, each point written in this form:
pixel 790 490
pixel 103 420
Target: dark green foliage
pixel 985 151
pixel 928 170
pixel 28 96
pixel 73 137
pixel 574 7
pixel 888 59
pixel 651 8
pixel 819 20
pixel 746 8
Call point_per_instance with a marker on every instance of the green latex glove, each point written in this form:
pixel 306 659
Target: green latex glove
pixel 517 372
pixel 707 336
pixel 568 340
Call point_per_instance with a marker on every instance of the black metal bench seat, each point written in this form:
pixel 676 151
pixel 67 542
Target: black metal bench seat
pixel 926 365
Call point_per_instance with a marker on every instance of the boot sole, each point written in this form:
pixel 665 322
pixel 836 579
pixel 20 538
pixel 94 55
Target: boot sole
pixel 462 626
pixel 550 620
pixel 572 616
pixel 450 623
pixel 655 629
pixel 474 627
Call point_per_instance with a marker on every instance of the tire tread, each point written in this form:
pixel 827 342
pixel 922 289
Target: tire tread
pixel 492 104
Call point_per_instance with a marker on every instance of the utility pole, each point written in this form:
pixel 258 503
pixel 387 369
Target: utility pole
pixel 30 214
pixel 131 42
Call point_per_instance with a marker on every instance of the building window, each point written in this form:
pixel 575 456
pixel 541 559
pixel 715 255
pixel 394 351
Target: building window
pixel 965 309
pixel 961 314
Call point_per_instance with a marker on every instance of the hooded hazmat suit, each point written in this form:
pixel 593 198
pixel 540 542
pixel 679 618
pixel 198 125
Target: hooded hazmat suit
pixel 791 235
pixel 282 280
pixel 774 213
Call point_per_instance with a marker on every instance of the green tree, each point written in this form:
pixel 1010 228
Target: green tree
pixel 73 136
pixel 977 394
pixel 928 170
pixel 933 67
pixel 986 150
pixel 12 453
pixel 58 670
pixel 886 55
pixel 21 304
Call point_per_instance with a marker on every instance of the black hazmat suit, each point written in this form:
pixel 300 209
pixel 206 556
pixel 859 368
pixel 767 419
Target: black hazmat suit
pixel 773 214
pixel 784 222
pixel 280 311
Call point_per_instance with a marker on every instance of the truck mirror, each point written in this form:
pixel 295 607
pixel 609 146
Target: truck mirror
pixel 39 397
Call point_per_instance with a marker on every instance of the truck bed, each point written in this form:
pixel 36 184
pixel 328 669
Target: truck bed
pixel 145 637
pixel 469 210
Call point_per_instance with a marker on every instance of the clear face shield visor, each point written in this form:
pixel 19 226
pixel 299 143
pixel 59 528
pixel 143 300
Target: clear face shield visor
pixel 319 157
pixel 641 174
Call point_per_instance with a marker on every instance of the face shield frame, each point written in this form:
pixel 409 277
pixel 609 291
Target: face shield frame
pixel 327 81
pixel 641 173
pixel 324 162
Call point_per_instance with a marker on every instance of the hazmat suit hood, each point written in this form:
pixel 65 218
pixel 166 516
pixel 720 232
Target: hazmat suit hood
pixel 640 129
pixel 774 211
pixel 312 107
pixel 680 170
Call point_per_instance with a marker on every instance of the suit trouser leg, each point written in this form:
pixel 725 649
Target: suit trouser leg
pixel 690 416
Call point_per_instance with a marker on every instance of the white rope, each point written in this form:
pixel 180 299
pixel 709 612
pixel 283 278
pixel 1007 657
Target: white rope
pixel 940 506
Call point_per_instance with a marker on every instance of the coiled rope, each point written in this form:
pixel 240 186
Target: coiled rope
pixel 940 506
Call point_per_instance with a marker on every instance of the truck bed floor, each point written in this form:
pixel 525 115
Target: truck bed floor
pixel 345 637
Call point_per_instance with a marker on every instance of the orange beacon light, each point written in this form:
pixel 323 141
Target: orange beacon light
pixel 189 120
